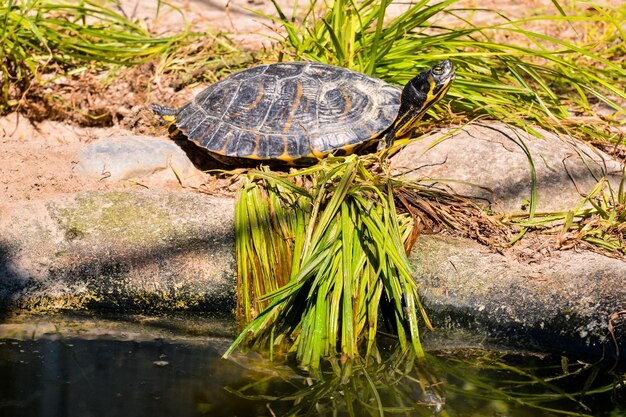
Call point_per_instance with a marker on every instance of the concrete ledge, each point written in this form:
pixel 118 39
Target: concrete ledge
pixel 564 301
pixel 140 249
pixel 155 250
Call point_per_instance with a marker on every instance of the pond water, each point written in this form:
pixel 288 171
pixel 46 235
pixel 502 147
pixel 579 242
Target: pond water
pixel 81 365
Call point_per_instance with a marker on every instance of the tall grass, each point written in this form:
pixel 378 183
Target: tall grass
pixel 57 36
pixel 534 78
pixel 322 253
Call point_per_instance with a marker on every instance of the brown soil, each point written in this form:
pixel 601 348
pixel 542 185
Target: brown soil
pixel 60 118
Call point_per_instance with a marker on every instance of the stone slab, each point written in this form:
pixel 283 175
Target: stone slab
pixel 491 162
pixel 137 249
pixel 152 160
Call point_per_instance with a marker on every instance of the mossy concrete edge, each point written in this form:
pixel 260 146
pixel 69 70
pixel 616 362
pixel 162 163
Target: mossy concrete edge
pixel 171 251
pixel 143 250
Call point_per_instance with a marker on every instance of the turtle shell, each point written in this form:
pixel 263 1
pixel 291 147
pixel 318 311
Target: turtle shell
pixel 289 112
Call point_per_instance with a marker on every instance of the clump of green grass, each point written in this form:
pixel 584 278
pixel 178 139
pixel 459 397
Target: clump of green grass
pixel 37 36
pixel 317 261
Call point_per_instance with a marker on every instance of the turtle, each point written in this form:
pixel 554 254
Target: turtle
pixel 297 113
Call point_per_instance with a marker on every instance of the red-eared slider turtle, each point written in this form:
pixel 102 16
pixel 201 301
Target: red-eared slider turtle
pixel 298 112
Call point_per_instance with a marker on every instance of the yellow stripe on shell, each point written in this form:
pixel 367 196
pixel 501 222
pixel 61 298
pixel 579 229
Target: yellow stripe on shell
pixel 252 105
pixel 346 109
pixel 294 108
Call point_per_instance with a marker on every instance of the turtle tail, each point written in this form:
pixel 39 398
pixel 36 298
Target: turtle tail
pixel 166 114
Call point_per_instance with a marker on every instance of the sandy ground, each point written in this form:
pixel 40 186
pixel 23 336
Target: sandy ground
pixel 37 157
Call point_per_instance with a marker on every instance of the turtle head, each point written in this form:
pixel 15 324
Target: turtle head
pixel 418 95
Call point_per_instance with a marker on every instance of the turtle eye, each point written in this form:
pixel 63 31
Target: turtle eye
pixel 438 69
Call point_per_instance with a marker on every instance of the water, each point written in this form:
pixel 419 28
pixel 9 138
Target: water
pixel 150 366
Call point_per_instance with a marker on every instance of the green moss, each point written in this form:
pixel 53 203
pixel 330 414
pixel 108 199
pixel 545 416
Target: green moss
pixel 130 217
pixel 142 300
pixel 46 304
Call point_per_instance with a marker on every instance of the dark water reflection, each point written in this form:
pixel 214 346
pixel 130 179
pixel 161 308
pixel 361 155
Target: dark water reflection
pixel 114 378
pixel 157 368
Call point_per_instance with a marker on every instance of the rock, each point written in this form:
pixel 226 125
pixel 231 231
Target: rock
pixel 489 163
pixel 151 160
pixel 564 301
pixel 139 249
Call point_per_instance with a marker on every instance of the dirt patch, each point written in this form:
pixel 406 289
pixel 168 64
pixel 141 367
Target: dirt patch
pixel 36 159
